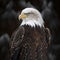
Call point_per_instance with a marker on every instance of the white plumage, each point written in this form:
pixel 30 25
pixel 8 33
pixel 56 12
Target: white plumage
pixel 33 17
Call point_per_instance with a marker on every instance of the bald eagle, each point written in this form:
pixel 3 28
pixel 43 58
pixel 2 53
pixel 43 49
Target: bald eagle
pixel 30 41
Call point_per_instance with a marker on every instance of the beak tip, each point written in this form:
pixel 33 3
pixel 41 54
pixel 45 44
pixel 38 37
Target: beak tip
pixel 19 17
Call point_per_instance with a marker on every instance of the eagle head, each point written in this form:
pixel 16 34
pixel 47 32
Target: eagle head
pixel 31 17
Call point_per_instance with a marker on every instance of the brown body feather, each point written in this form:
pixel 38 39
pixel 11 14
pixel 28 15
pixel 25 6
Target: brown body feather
pixel 29 43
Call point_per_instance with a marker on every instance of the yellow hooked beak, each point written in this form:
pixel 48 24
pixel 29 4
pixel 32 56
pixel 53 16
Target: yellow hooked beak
pixel 22 16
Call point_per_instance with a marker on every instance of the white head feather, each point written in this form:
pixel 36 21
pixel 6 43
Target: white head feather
pixel 33 17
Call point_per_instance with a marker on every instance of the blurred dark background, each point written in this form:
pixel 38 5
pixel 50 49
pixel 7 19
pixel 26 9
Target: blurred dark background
pixel 9 11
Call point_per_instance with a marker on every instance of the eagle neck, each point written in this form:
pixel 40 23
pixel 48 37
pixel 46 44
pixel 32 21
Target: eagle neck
pixel 32 22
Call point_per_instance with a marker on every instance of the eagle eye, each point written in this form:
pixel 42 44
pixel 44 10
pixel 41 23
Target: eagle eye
pixel 27 13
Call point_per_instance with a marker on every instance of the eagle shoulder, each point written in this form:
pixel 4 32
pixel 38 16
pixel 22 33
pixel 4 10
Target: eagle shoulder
pixel 16 39
pixel 48 35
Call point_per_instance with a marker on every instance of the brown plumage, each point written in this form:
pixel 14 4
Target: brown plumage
pixel 30 44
